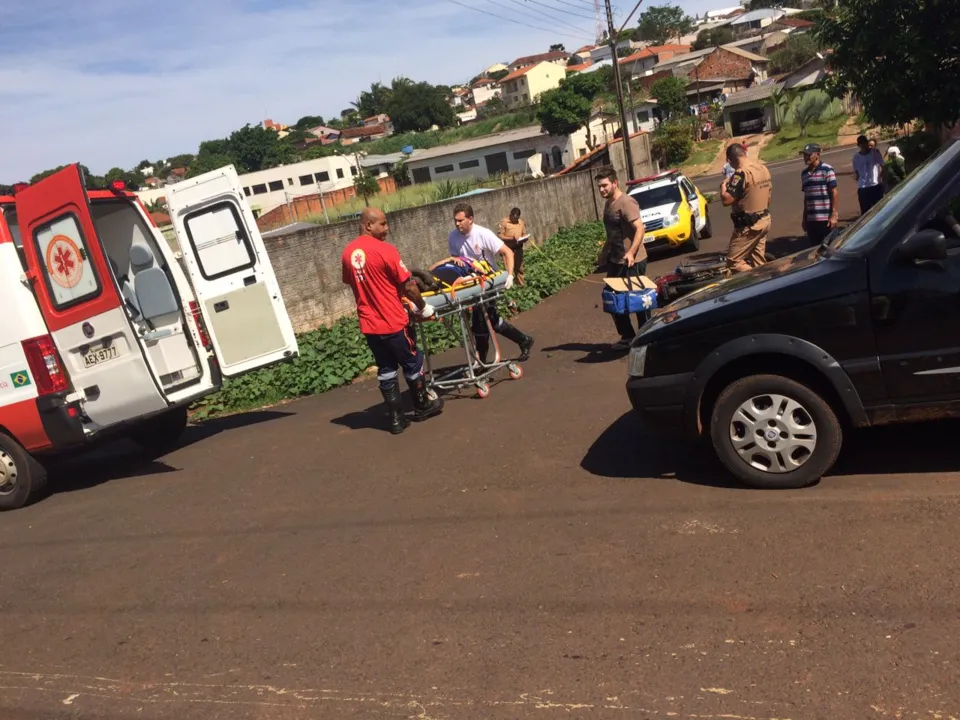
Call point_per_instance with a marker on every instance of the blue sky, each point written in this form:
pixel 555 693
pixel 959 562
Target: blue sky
pixel 111 82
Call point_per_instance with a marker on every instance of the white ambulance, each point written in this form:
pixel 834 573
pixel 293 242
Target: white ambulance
pixel 105 329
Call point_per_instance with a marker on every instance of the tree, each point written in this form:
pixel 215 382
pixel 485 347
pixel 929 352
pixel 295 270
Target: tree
pixel 671 96
pixel 210 161
pixel 499 75
pixel 366 185
pixel 662 22
pixel 898 56
pixel 558 47
pixel 373 101
pixel 143 164
pixel 254 147
pixel 180 160
pixel 309 121
pixel 673 142
pixel 418 107
pixel 566 109
pixel 713 37
pixel 131 178
pixel 809 109
pixel 797 50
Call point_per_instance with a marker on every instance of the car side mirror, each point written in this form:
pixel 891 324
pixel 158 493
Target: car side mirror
pixel 924 245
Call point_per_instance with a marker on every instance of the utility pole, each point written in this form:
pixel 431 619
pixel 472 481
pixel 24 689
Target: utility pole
pixel 624 127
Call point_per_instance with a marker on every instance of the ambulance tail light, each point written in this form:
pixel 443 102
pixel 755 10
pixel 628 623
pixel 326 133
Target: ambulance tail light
pixel 45 365
pixel 201 328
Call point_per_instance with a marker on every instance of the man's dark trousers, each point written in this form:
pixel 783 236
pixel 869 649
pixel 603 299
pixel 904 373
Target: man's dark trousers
pixel 817 230
pixel 622 322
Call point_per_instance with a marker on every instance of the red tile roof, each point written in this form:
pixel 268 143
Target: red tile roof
pixel 585 49
pixel 581 66
pixel 160 218
pixel 365 131
pixel 543 57
pixel 654 50
pixel 795 22
pixel 484 81
pixel 517 74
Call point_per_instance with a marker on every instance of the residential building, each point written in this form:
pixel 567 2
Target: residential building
pixel 494 69
pixel 484 91
pixel 791 24
pixel 579 67
pixel 364 133
pixel 811 73
pixel 582 55
pixel 643 61
pixel 556 58
pixel 492 155
pixel 750 110
pixel 754 21
pixel 524 86
pixel 176 175
pixel 713 72
pixel 624 48
pixel 643 116
pixel 326 135
pixel 380 119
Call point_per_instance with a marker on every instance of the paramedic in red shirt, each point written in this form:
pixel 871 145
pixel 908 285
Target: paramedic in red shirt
pixel 376 274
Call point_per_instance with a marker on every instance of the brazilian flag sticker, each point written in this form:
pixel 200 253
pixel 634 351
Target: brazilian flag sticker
pixel 20 379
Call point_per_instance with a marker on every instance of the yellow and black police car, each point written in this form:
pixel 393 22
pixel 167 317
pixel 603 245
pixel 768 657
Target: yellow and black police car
pixel 673 210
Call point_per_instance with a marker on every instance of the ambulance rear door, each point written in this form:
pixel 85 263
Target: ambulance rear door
pixel 230 271
pixel 80 303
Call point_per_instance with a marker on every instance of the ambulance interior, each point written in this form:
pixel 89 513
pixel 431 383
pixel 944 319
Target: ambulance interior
pixel 146 286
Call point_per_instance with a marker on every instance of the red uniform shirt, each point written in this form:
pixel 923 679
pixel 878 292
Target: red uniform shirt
pixel 375 272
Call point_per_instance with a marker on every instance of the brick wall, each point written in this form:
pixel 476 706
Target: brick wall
pixel 722 64
pixel 307 263
pixel 306 206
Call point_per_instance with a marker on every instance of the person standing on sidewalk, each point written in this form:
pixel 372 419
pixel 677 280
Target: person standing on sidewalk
pixel 748 191
pixel 868 169
pixel 374 271
pixel 479 243
pixel 511 229
pixel 627 256
pixel 821 196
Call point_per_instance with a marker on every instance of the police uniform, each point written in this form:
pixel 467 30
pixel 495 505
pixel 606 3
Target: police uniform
pixel 750 187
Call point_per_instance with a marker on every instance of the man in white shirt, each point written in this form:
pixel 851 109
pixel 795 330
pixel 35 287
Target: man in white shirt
pixel 868 169
pixel 480 243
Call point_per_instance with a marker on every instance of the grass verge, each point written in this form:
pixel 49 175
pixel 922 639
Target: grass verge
pixel 704 154
pixel 337 355
pixel 787 143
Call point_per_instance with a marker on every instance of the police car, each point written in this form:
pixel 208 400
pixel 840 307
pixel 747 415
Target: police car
pixel 673 210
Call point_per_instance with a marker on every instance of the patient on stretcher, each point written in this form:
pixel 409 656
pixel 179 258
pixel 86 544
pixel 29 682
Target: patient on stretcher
pixel 442 276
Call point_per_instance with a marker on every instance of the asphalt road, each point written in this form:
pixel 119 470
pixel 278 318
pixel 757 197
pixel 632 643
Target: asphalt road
pixel 532 555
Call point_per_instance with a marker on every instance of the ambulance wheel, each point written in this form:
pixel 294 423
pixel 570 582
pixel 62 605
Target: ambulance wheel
pixel 483 391
pixel 160 434
pixel 21 477
pixel 516 371
pixel 707 231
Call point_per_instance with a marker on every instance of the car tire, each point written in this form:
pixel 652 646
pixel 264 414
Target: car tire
pixel 693 243
pixel 794 460
pixel 161 433
pixel 707 231
pixel 22 478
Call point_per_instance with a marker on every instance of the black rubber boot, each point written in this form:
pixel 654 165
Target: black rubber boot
pixel 524 341
pixel 391 396
pixel 423 407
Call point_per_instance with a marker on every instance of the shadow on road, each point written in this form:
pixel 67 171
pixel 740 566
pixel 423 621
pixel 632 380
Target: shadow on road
pixel 787 245
pixel 629 450
pixel 900 449
pixel 596 352
pixel 121 458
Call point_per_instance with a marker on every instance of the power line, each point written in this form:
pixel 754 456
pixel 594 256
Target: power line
pixel 539 15
pixel 517 22
pixel 561 10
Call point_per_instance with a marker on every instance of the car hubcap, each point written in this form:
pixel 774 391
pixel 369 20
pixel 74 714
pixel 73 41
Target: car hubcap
pixel 773 433
pixel 8 473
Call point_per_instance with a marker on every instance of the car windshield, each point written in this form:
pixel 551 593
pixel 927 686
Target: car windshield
pixel 657 196
pixel 886 212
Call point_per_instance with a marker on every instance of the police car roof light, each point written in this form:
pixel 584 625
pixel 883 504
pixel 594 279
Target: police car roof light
pixel 651 178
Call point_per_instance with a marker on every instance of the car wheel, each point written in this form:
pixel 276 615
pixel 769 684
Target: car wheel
pixel 773 432
pixel 160 434
pixel 693 243
pixel 707 231
pixel 21 476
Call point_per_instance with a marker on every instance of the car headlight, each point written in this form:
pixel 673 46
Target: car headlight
pixel 671 220
pixel 637 361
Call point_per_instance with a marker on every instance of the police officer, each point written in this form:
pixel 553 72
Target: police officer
pixel 748 191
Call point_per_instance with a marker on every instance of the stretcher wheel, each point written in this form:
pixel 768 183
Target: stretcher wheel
pixel 483 390
pixel 516 371
pixel 432 395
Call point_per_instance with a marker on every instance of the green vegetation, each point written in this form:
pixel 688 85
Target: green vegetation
pixel 704 153
pixel 713 37
pixel 673 142
pixel 566 109
pixel 337 355
pixel 788 143
pixel 661 23
pixel 798 50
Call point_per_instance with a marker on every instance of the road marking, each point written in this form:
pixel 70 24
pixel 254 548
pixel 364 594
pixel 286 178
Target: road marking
pixel 69 700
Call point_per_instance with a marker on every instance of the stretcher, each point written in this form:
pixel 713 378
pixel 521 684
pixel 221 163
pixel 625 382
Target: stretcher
pixel 454 304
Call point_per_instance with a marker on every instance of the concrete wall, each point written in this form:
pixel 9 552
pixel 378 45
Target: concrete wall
pixel 307 263
pixel 642 160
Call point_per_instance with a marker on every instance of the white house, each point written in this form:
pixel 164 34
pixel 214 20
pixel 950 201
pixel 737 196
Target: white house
pixel 485 91
pixel 267 189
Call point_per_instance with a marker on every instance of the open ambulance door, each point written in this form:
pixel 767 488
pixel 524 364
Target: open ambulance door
pixel 230 271
pixel 81 306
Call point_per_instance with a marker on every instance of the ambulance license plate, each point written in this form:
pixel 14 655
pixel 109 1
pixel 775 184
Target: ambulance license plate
pixel 100 355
